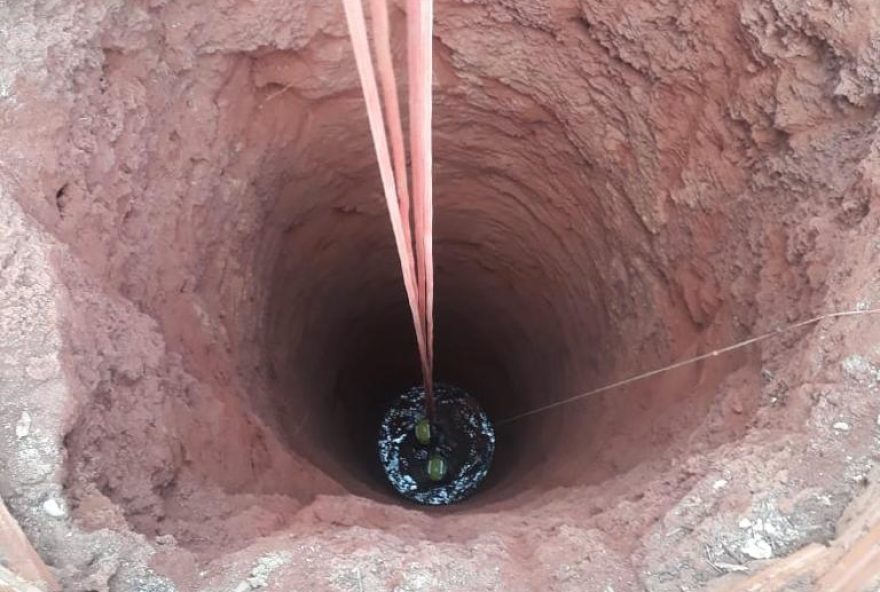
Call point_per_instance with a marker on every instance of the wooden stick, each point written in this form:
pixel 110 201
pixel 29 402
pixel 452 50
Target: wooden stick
pixel 20 557
pixel 9 582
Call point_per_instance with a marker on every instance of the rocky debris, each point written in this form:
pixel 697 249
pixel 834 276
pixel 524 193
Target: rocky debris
pixel 266 564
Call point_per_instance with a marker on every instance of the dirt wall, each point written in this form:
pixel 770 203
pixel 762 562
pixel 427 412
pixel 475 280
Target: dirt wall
pixel 203 316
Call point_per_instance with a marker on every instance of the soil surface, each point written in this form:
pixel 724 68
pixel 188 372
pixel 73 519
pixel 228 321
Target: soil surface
pixel 202 317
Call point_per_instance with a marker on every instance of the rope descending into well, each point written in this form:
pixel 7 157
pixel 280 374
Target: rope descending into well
pixel 411 213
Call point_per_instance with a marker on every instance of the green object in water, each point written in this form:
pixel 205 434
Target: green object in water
pixel 436 467
pixel 423 432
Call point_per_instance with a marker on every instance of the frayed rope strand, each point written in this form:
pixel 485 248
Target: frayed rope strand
pixel 687 362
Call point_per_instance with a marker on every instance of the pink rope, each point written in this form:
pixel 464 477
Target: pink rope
pixel 385 65
pixel 414 244
pixel 357 30
pixel 420 16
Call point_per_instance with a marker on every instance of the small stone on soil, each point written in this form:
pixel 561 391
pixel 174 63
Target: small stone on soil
pixel 757 548
pixel 23 427
pixel 53 508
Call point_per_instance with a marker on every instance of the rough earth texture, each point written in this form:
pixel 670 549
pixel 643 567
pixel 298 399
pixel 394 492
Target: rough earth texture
pixel 202 317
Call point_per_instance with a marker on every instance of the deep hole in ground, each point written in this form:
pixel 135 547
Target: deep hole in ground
pixel 615 190
pixel 515 325
pixel 550 279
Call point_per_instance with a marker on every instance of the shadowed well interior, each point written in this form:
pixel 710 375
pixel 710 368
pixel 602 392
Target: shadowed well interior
pixel 507 354
pixel 531 279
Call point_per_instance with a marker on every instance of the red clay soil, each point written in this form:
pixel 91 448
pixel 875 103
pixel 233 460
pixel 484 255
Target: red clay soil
pixel 203 316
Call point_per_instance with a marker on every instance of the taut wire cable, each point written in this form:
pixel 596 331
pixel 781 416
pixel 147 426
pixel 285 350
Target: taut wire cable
pixel 680 364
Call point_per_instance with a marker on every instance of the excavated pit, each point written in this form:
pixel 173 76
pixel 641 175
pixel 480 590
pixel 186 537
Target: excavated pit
pixel 616 189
